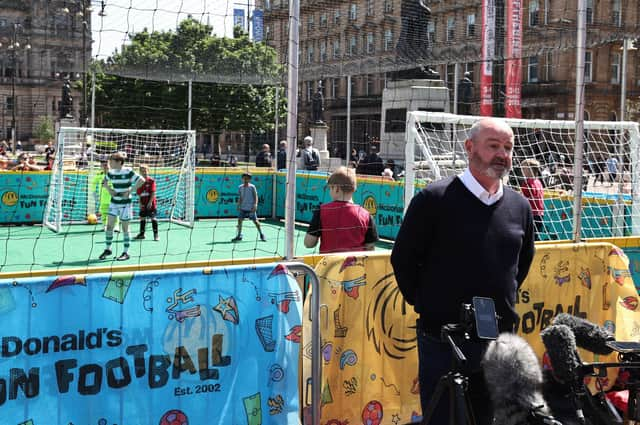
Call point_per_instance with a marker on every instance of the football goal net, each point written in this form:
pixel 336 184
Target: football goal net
pixel 434 149
pixel 75 189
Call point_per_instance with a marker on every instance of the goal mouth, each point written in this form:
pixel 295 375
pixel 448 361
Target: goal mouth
pixel 76 190
pixel 543 149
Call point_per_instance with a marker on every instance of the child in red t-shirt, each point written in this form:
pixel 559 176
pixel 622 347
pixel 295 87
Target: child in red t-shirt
pixel 148 203
pixel 532 190
pixel 341 225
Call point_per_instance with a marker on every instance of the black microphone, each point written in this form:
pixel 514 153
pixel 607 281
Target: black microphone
pixel 514 381
pixel 561 348
pixel 588 335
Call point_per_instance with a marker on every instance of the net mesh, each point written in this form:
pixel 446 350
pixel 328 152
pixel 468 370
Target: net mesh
pixel 76 189
pixel 436 150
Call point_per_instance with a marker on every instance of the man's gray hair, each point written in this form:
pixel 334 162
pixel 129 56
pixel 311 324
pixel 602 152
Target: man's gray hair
pixel 308 139
pixel 480 124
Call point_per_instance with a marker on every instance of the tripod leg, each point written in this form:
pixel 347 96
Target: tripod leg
pixel 464 410
pixel 443 384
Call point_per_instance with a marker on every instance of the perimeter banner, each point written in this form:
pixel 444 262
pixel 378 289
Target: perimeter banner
pixel 197 346
pixel 488 52
pixel 513 62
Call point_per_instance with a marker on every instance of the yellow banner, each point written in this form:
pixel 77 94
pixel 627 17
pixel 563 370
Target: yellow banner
pixel 369 356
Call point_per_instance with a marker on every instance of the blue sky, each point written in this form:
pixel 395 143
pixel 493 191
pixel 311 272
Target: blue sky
pixel 128 16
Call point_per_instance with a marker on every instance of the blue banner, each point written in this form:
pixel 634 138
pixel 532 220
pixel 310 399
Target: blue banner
pixel 198 346
pixel 238 18
pixel 258 25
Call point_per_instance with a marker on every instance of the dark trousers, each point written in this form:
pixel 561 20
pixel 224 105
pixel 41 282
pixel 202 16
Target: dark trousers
pixel 435 360
pixel 538 223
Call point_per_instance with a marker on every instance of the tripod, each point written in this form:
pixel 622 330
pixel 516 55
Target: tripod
pixel 460 410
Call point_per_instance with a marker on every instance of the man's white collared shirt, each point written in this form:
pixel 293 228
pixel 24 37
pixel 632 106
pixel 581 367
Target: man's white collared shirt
pixel 480 192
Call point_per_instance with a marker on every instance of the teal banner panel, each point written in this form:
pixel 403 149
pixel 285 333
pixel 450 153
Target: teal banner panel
pixel 217 194
pixel 23 196
pixel 199 346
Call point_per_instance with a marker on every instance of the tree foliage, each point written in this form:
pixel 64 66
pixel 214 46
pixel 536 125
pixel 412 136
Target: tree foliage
pixel 146 84
pixel 45 130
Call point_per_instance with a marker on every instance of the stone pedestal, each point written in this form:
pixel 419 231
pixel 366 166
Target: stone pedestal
pixel 319 135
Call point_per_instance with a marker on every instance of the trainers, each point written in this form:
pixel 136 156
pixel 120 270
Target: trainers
pixel 237 238
pixel 262 238
pixel 105 254
pixel 139 236
pixel 123 256
pixel 156 237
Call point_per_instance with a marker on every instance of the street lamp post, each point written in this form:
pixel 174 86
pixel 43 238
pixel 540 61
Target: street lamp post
pixel 13 47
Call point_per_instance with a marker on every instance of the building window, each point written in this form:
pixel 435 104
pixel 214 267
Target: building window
pixel 615 68
pixel 388 40
pixel 588 65
pixel 353 86
pixel 9 103
pixel 353 45
pixel 323 20
pixel 369 87
pixel 388 6
pixel 532 70
pixel 336 17
pixel 310 23
pixel 589 11
pixel 353 12
pixel 310 54
pixel 267 32
pixel 336 49
pixel 267 4
pixel 431 32
pixel 371 47
pixel 616 14
pixel 323 51
pixel 451 28
pixel 471 25
pixel 335 87
pixel 370 7
pixel 534 13
pixel 309 90
pixel 548 64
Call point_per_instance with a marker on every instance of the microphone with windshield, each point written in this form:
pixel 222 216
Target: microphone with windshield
pixel 560 343
pixel 588 335
pixel 514 380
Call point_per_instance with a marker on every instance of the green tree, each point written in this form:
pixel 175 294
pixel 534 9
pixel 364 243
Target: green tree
pixel 146 84
pixel 45 130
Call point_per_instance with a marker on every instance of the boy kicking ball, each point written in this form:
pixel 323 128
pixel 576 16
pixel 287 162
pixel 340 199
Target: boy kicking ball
pixel 247 206
pixel 119 181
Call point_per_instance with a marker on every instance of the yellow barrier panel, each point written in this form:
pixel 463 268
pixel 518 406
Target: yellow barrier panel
pixel 369 355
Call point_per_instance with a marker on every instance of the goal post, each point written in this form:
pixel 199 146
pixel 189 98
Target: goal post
pixel 434 149
pixel 75 188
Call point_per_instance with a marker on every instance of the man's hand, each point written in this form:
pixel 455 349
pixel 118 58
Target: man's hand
pixel 149 205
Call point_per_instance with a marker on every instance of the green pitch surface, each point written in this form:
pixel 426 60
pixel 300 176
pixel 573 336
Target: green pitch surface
pixel 37 250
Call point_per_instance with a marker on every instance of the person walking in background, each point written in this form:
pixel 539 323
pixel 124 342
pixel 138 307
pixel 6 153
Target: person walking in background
pixel 372 164
pixel 310 155
pixel 532 189
pixel 148 203
pixel 354 159
pixel 120 181
pixel 263 158
pixel 612 169
pixel 282 155
pixel 247 206
pixel 341 225
pixel 461 237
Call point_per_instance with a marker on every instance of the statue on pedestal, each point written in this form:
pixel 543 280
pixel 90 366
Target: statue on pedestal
pixel 317 106
pixel 66 106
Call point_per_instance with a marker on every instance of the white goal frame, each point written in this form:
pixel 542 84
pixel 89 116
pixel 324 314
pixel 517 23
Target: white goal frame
pixel 414 141
pixel 185 186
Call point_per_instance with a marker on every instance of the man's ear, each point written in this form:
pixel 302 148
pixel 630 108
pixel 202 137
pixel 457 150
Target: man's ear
pixel 467 145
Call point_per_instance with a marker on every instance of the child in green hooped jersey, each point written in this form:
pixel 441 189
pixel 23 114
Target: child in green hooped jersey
pixel 101 194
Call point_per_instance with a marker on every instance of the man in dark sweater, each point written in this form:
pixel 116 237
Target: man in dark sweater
pixel 461 237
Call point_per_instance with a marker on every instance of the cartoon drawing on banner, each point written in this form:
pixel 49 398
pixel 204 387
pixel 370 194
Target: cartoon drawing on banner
pixel 275 405
pixel 63 281
pixel 147 295
pixel 253 409
pixel 255 288
pixel 118 287
pixel 340 331
pixel 264 329
pixel 180 298
pixel 348 358
pixel 327 397
pixel 327 350
pixel 352 261
pixel 372 413
pixel 561 273
pixel 394 387
pixel 276 373
pixel 27 422
pixel 174 417
pixel 585 277
pixel 350 386
pixel 282 299
pixel 295 334
pixel 228 309
pixel 383 311
pixel 278 270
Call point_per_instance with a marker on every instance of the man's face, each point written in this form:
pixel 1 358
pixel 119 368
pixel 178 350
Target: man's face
pixel 144 172
pixel 491 154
